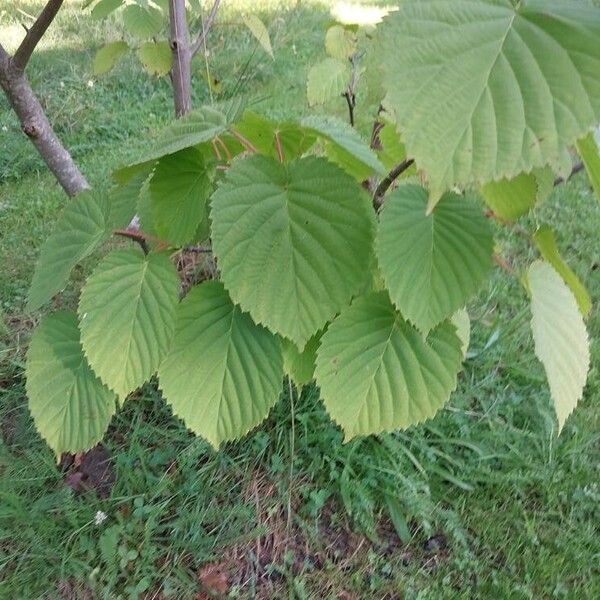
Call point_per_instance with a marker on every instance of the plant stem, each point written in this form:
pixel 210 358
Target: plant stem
pixel 387 181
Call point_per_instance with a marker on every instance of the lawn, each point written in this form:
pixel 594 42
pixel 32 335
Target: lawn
pixel 483 501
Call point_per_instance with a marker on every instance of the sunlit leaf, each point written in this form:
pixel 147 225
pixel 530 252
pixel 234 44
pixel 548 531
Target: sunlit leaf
pixel 546 243
pixel 432 264
pixel 293 241
pixel 223 373
pixel 70 407
pixel 127 315
pixel 561 340
pixel 488 89
pixel 378 373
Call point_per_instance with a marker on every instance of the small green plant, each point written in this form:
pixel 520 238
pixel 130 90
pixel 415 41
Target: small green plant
pixel 328 259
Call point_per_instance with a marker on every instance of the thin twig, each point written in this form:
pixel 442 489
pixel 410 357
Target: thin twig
pixel 35 33
pixel 135 237
pixel 387 181
pixel 205 28
pixel 142 238
pixel 351 100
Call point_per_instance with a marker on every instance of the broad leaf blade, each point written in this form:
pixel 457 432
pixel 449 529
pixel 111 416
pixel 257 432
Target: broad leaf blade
pixel 260 32
pixel 300 365
pixel 340 42
pixel 546 243
pixel 561 340
pixel 377 373
pixel 197 127
pixel 223 373
pixel 179 190
pixel 104 7
pixel 518 83
pixel 124 196
pixel 432 264
pixel 127 315
pixel 293 241
pixel 142 22
pixel 265 134
pixel 156 57
pixel 590 154
pixel 108 56
pixel 345 147
pixel 511 199
pixel 326 80
pixel 462 322
pixel 81 227
pixel 70 407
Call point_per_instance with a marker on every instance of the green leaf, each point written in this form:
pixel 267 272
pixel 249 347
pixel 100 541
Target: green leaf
pixel 142 22
pixel 223 373
pixel 511 199
pixel 156 57
pixel 461 321
pixel 588 150
pixel 300 365
pixel 545 183
pixel 432 264
pixel 546 243
pixel 561 340
pixel 103 8
pixel 127 316
pixel 294 140
pixel 340 42
pixel 293 241
pixel 70 407
pixel 326 80
pixel 486 89
pixel 260 32
pixel 393 151
pixel 345 147
pixel 108 56
pixel 197 127
pixel 144 210
pixel 81 227
pixel 179 190
pixel 124 196
pixel 377 373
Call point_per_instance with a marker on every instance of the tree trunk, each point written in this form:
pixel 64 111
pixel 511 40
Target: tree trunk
pixel 36 126
pixel 181 70
pixel 28 109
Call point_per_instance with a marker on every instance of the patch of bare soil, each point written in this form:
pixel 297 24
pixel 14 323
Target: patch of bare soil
pixel 89 471
pixel 263 566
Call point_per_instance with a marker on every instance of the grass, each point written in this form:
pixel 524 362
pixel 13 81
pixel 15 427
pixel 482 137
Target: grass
pixel 481 502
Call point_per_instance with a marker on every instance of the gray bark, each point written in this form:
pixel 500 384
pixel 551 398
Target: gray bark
pixel 181 70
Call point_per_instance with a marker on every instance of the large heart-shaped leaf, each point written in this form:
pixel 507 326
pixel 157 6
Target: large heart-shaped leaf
pixel 223 373
pixel 378 373
pixel 127 317
pixel 70 407
pixel 81 227
pixel 432 264
pixel 486 89
pixel 293 241
pixel 561 340
pixel 179 190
